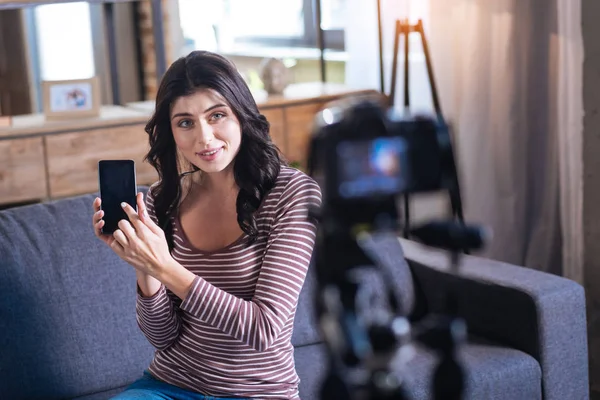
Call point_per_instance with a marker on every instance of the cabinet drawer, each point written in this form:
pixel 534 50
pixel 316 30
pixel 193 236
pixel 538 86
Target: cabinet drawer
pixel 299 122
pixel 22 174
pixel 276 119
pixel 73 157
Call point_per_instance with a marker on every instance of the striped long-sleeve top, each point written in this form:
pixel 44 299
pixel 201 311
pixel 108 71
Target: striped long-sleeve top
pixel 231 335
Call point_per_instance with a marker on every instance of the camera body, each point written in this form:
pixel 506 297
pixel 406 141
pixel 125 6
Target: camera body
pixel 369 154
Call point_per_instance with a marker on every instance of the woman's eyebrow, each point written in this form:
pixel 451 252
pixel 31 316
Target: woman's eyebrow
pixel 181 114
pixel 215 106
pixel 187 114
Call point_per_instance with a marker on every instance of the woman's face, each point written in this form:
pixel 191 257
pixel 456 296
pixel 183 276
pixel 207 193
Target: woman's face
pixel 206 130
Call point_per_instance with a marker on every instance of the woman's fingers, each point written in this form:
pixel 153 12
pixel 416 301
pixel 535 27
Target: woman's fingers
pixel 98 227
pixel 97 203
pixel 97 220
pixel 97 214
pixel 108 239
pixel 97 217
pixel 143 212
pixel 128 230
pixel 121 238
pixel 131 214
pixel 117 246
pixel 145 218
pixel 141 207
pixel 141 224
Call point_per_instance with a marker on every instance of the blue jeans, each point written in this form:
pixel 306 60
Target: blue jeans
pixel 149 388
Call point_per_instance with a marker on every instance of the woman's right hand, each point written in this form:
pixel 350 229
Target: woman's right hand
pixel 148 285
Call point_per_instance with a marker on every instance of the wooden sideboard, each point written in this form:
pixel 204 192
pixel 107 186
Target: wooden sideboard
pixel 42 160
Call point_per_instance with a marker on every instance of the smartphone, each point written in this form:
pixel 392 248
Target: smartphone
pixel 117 181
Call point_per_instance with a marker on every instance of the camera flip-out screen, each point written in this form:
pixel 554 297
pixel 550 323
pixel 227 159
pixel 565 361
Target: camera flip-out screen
pixel 372 167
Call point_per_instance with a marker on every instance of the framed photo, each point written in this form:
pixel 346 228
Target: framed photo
pixel 5 121
pixel 78 98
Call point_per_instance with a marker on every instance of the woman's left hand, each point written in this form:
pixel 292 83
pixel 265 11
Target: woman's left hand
pixel 140 242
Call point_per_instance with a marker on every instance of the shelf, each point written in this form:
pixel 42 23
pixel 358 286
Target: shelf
pixel 37 125
pixel 16 4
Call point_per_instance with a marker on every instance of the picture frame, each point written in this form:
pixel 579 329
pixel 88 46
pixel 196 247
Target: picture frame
pixel 68 99
pixel 5 121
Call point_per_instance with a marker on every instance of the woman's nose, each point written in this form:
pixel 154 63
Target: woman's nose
pixel 205 134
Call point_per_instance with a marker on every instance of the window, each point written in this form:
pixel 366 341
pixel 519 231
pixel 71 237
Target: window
pixel 64 41
pixel 272 23
pixel 67 41
pixel 333 14
pixel 60 44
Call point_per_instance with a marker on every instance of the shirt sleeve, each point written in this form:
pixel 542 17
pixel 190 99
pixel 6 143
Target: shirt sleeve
pixel 158 315
pixel 258 322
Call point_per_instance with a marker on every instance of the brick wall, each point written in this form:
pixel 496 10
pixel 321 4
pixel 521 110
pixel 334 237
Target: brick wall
pixel 147 42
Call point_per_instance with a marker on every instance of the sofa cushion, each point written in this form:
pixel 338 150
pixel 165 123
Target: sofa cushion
pixel 50 346
pixel 104 395
pixel 494 372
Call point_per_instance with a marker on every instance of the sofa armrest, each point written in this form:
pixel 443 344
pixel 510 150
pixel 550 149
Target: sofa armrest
pixel 541 314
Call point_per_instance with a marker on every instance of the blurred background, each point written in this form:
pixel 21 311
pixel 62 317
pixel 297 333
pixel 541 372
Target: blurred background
pixel 69 41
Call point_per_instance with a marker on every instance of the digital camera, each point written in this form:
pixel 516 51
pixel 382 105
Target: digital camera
pixel 368 153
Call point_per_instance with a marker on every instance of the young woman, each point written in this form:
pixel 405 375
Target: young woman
pixel 220 252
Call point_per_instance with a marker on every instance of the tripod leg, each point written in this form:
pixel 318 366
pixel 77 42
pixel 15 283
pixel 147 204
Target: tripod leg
pixel 406 29
pixel 434 91
pixel 406 216
pixel 395 63
pixel 456 203
pixel 379 31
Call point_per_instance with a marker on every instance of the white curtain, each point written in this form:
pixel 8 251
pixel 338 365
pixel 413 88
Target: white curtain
pixel 510 80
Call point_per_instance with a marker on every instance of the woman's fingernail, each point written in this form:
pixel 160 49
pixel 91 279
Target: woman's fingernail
pixel 123 204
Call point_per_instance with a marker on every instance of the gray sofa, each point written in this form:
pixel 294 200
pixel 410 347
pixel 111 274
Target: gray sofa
pixel 68 329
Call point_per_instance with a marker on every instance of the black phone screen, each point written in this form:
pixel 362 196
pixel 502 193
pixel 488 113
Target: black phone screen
pixel 117 185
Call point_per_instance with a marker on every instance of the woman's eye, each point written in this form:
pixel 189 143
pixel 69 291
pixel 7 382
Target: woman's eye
pixel 218 115
pixel 185 123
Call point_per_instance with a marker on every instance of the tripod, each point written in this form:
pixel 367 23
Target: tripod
pixel 360 352
pixel 403 27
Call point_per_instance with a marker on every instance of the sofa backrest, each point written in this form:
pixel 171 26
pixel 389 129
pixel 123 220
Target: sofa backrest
pixel 67 306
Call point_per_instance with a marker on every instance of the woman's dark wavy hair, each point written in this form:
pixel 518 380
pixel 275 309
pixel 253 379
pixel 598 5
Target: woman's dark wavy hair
pixel 258 162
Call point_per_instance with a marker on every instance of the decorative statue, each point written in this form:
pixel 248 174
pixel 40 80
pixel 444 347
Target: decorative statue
pixel 274 75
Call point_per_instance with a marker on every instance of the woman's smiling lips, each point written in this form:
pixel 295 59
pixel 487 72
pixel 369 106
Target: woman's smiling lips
pixel 210 154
